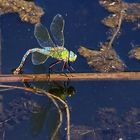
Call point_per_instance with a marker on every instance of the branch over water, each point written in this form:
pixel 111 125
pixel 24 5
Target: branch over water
pixel 70 76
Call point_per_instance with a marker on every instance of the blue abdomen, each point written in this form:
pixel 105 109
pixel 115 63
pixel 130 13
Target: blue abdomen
pixel 45 51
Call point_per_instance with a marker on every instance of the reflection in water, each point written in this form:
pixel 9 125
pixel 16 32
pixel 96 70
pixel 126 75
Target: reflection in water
pixel 47 117
pixel 61 89
pixel 38 120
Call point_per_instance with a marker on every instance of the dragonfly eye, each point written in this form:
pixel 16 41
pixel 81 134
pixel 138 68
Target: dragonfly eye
pixel 72 56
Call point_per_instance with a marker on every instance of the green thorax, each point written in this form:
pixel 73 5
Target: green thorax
pixel 59 53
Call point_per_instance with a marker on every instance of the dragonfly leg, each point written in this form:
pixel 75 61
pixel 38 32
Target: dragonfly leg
pixel 69 68
pixel 64 65
pixel 53 64
pixel 66 83
pixel 19 68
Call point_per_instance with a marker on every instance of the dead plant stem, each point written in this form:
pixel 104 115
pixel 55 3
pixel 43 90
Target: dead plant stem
pixel 117 30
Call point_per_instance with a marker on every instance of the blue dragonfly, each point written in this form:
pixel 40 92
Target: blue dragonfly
pixel 49 48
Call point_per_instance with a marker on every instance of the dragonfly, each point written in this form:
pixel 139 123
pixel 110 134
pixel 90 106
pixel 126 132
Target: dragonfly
pixel 49 48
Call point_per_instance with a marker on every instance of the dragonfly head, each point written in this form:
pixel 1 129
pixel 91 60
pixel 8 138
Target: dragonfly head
pixel 72 56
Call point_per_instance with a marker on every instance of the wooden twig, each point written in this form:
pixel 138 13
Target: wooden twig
pixel 70 76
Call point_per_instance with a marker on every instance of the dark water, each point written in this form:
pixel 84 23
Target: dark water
pixel 82 27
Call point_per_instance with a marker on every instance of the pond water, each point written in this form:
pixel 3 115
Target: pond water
pixel 100 110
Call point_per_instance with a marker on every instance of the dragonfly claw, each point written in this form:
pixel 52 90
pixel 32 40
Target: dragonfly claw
pixel 17 71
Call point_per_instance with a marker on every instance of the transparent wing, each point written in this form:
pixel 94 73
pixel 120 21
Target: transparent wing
pixel 57 27
pixel 42 35
pixel 38 58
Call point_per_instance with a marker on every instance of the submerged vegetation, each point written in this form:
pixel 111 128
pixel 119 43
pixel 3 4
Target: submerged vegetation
pixel 104 60
pixel 27 11
pixel 131 11
pixel 107 60
pixel 110 125
pixel 135 53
